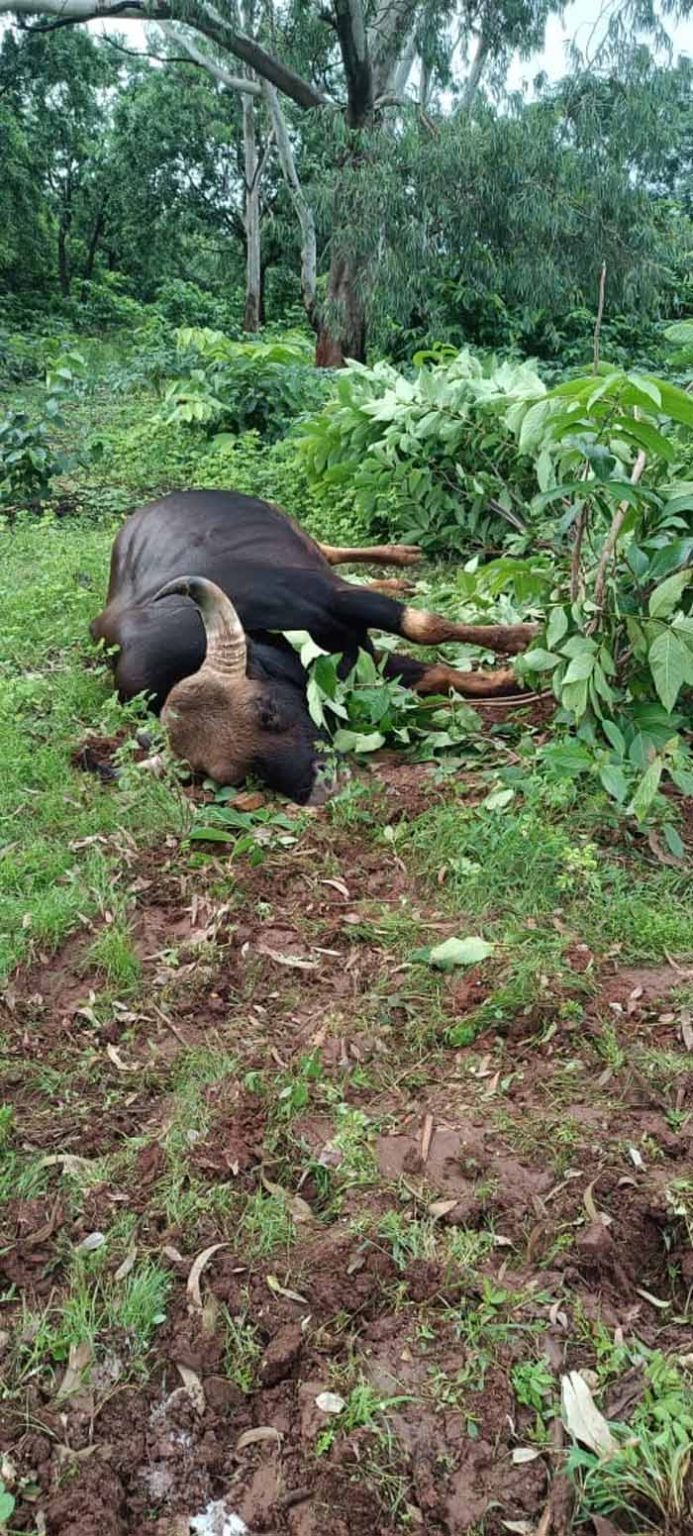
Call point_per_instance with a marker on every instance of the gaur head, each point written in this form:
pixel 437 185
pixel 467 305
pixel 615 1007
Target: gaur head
pixel 228 725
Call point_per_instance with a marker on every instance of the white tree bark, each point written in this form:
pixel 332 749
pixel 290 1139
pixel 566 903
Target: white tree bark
pixel 253 266
pixel 240 83
pixel 471 84
pixel 201 15
pixel 304 212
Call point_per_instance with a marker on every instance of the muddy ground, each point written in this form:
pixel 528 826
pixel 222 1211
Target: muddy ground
pixel 519 1144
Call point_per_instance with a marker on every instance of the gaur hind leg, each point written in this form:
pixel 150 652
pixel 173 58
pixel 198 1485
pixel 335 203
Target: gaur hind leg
pixel 380 554
pixel 430 677
pixel 363 609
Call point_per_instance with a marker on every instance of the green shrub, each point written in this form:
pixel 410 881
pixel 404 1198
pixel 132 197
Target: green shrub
pixel 430 459
pixel 241 386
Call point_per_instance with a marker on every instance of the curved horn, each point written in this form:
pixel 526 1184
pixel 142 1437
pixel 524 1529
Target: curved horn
pixel 227 648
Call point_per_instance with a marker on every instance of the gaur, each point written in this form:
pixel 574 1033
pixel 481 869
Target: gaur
pixel 202 586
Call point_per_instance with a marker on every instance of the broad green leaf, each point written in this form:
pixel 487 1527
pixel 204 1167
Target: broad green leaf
pixel 615 782
pixel 612 733
pixel 211 835
pixel 358 741
pixel 646 436
pixel 646 790
pixel 666 597
pixel 581 666
pixel 669 662
pixel 498 799
pixel 579 645
pixel 574 697
pixel 454 952
pixel 675 402
pixel 538 660
pixel 648 387
pixel 674 841
pixel 683 779
pixel 556 627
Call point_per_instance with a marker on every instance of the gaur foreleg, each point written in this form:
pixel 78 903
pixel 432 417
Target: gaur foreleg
pixel 427 677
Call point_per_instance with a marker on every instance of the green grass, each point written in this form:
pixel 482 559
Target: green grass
pixel 59 828
pixel 534 877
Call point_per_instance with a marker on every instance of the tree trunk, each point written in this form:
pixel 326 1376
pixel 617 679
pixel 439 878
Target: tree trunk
pixel 253 281
pixel 63 257
pixel 304 212
pixel 96 234
pixel 342 333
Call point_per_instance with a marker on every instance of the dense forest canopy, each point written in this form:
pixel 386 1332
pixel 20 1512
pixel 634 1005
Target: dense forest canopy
pixel 402 197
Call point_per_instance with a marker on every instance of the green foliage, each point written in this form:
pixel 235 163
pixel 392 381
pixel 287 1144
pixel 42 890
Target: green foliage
pixel 646 1478
pixel 618 644
pixel 364 709
pixel 243 386
pixel 29 457
pixel 429 458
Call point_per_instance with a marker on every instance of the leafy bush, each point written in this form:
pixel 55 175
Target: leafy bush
pixel 182 303
pixel 103 306
pixel 29 457
pixel 429 459
pixel 243 386
pixel 612 451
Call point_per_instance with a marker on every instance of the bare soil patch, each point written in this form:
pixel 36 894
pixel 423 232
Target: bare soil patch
pixel 286 974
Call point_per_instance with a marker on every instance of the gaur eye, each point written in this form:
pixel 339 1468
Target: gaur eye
pixel 271 714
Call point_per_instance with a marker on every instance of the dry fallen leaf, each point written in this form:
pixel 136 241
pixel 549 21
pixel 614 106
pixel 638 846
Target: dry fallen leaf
pixel 193 1285
pixel 68 1160
pixel 78 1359
pixel 114 1056
pixel 296 1206
pixel 442 1207
pixel 281 1290
pixel 655 1301
pixel 591 1209
pixel 256 1436
pixel 339 886
pixel 582 1417
pixel 193 1387
pixel 127 1265
pixel 293 961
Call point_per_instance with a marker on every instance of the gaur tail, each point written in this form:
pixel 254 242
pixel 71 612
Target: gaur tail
pixel 227 647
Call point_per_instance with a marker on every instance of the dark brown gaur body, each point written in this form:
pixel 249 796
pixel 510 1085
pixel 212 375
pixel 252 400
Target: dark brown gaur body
pixel 230 688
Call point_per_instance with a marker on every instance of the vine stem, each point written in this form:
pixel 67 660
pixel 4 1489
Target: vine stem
pixel 598 321
pixel 611 540
pixel 576 559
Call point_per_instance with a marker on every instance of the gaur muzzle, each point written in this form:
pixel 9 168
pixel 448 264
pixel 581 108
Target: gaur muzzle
pixel 227 725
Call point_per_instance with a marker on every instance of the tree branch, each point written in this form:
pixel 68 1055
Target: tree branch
pixel 471 84
pixel 387 38
pixel 201 17
pixel 351 31
pixel 205 61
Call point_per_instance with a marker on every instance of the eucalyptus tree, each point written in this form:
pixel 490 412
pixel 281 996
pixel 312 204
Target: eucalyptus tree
pixel 351 64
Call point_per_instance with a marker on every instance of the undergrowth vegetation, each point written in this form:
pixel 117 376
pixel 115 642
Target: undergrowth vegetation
pixel 238 1036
